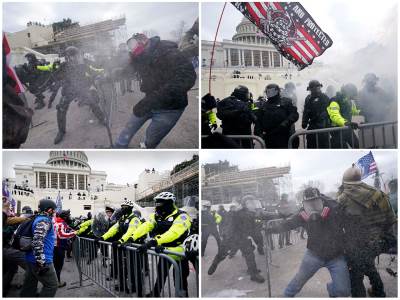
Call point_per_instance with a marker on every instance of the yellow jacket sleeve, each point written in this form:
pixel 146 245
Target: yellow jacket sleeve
pixel 45 68
pixel 111 232
pixel 217 217
pixel 354 110
pixel 212 117
pixel 144 228
pixel 181 224
pixel 133 225
pixel 96 70
pixel 334 114
pixel 84 226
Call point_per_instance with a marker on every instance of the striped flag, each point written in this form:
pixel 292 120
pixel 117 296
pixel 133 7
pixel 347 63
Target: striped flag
pixel 8 196
pixel 367 165
pixel 58 203
pixel 10 71
pixel 290 28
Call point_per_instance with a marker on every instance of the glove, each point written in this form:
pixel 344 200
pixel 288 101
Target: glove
pixel 142 248
pixel 159 249
pixel 42 269
pixel 304 125
pixel 116 243
pixel 146 105
pixel 214 126
pixel 98 239
pixel 353 125
pixel 151 243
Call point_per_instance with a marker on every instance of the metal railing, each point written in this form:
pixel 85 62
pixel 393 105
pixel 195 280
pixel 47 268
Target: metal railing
pixel 127 272
pixel 240 139
pixel 368 135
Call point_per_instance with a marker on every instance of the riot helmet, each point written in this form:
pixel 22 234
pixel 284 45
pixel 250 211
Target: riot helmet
pixel 73 56
pixel 242 93
pixel 165 203
pixel 314 86
pixel 352 175
pixel 272 90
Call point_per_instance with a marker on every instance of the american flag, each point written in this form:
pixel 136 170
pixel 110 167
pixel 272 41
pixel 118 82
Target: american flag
pixel 367 165
pixel 10 71
pixel 290 28
pixel 59 203
pixel 8 196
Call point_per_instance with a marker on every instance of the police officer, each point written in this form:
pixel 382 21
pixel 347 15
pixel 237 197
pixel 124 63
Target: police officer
pixel 208 115
pixel 237 114
pixel 340 110
pixel 315 115
pixel 119 233
pixel 209 222
pixel 369 220
pixel 76 78
pixel 276 117
pixel 374 102
pixel 168 227
pixel 242 226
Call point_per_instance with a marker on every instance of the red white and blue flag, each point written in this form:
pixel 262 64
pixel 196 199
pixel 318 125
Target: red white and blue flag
pixel 367 165
pixel 10 71
pixel 290 28
pixel 58 203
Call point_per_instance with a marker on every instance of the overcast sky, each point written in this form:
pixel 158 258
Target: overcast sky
pixel 161 17
pixel 352 25
pixel 326 166
pixel 121 166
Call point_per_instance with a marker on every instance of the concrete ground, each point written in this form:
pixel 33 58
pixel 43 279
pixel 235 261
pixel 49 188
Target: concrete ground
pixel 84 131
pixel 89 288
pixel 231 279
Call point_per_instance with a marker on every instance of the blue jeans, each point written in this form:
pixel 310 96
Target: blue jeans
pixel 340 285
pixel 162 121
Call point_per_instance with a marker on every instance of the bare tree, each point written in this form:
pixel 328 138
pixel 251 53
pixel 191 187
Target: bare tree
pixel 180 30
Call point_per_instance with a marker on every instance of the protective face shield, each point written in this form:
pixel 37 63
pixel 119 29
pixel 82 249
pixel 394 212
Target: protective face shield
pixel 135 46
pixel 126 209
pixel 271 92
pixel 253 205
pixel 100 224
pixel 164 207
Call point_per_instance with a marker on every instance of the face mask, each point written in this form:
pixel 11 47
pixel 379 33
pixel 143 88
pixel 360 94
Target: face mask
pixel 271 93
pixel 135 47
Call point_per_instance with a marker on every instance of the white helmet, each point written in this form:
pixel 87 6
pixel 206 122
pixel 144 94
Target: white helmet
pixel 191 243
pixel 127 202
pixel 206 203
pixel 165 196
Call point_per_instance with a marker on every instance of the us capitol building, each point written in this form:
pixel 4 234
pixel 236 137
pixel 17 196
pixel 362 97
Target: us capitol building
pixel 81 188
pixel 248 59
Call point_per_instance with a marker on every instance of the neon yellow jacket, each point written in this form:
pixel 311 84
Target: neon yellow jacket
pixel 180 225
pixel 217 217
pixel 336 117
pixel 83 227
pixel 46 68
pixel 212 117
pixel 133 225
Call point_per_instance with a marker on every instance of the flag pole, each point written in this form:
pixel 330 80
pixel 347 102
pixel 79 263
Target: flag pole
pixel 213 48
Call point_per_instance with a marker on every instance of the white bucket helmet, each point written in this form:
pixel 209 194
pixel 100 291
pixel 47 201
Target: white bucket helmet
pixel 127 202
pixel 165 196
pixel 191 243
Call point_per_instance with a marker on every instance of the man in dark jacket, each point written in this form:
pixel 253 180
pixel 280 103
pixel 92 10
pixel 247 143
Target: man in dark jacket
pixel 165 77
pixel 322 219
pixel 275 118
pixel 40 265
pixel 315 115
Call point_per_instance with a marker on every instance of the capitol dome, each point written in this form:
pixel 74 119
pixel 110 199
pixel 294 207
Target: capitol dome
pixel 247 32
pixel 76 159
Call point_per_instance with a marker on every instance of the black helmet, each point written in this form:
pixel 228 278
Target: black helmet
pixel 313 84
pixel 241 92
pixel 109 208
pixel 27 210
pixel 29 56
pixel 71 51
pixel 349 90
pixel 45 204
pixel 65 214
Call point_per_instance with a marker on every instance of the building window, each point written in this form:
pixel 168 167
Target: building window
pixel 87 207
pixel 276 59
pixel 29 34
pixel 247 58
pixel 70 181
pixel 265 59
pixel 63 182
pixel 256 56
pixel 42 180
pixel 53 180
pixel 234 57
pixel 81 182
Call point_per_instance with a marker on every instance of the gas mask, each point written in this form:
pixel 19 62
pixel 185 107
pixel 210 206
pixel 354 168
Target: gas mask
pixel 313 208
pixel 126 209
pixel 136 47
pixel 271 92
pixel 164 208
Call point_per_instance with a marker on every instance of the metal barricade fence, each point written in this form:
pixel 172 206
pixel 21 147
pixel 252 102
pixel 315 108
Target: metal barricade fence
pixel 240 139
pixel 125 272
pixel 369 135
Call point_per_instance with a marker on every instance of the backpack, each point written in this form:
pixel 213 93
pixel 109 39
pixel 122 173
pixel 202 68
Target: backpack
pixel 23 236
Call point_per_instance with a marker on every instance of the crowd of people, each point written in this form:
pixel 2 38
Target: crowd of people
pixel 273 116
pixel 163 69
pixel 344 235
pixel 38 242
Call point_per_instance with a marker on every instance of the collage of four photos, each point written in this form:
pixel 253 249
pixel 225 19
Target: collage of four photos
pixel 200 149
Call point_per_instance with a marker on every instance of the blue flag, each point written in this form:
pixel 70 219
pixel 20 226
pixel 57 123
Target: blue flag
pixel 367 165
pixel 59 203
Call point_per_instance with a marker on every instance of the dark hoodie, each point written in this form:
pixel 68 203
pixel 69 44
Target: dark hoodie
pixel 165 77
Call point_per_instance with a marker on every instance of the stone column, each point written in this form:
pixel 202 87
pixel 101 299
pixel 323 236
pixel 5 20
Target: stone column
pixel 84 182
pixel 261 59
pixel 252 58
pixel 47 180
pixel 58 181
pixel 229 57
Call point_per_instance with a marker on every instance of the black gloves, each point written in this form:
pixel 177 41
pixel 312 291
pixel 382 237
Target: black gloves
pixel 143 248
pixel 116 243
pixel 214 126
pixel 353 125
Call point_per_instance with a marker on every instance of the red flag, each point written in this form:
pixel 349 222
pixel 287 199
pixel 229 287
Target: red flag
pixel 10 71
pixel 290 28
